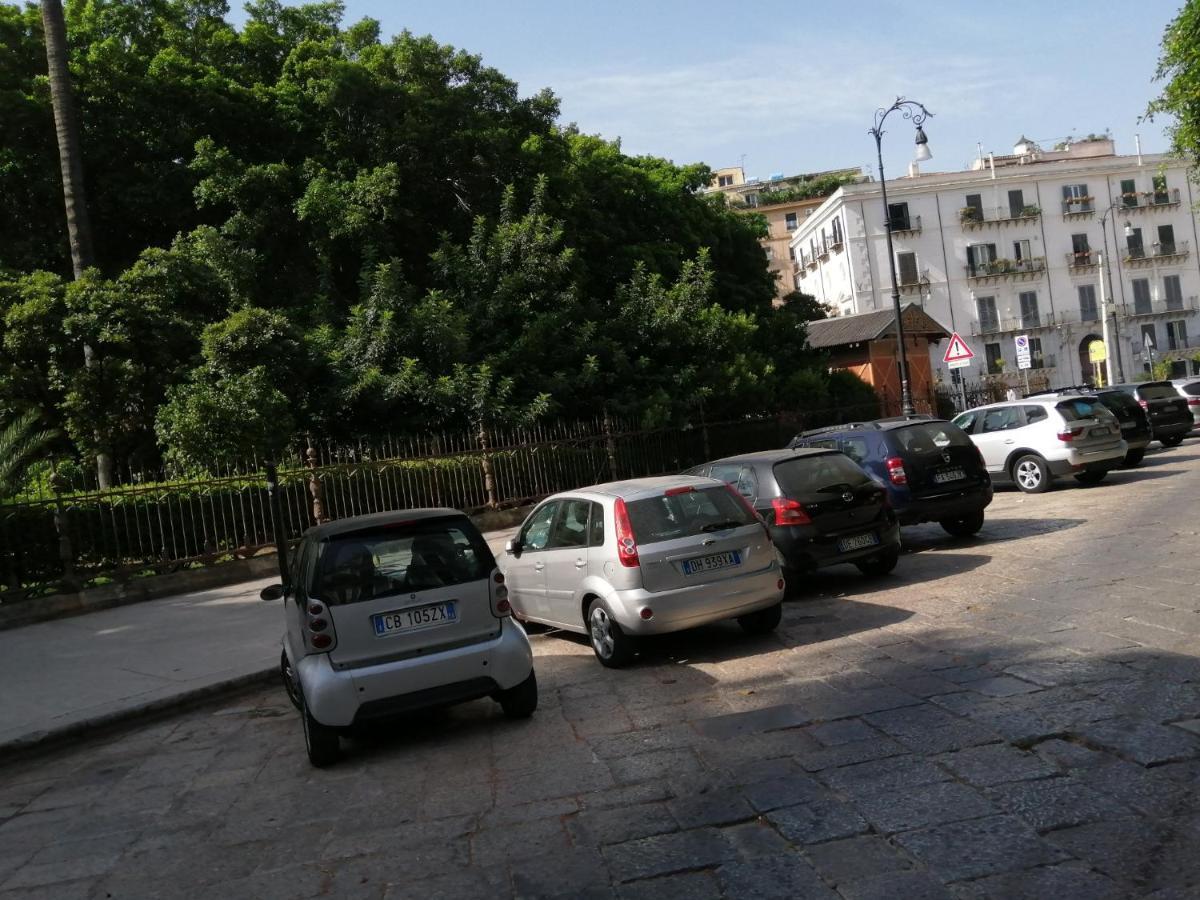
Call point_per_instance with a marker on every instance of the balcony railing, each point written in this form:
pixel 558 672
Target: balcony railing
pixel 913 282
pixel 903 224
pixel 1014 325
pixel 1079 206
pixel 1082 259
pixel 1149 199
pixel 1162 251
pixel 836 245
pixel 1007 268
pixel 1159 307
pixel 972 217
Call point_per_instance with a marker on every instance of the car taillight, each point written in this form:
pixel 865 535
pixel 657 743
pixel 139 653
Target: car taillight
pixel 790 512
pixel 1070 434
pixel 1144 404
pixel 1193 401
pixel 895 470
pixel 627 551
pixel 501 606
pixel 321 634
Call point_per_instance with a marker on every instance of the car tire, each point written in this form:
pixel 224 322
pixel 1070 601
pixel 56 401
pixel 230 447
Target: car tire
pixel 1091 477
pixel 1030 474
pixel 1174 441
pixel 1134 458
pixel 880 564
pixel 519 702
pixel 612 646
pixel 322 742
pixel 289 682
pixel 764 621
pixel 963 526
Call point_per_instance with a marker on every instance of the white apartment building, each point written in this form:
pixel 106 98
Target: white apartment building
pixel 1013 246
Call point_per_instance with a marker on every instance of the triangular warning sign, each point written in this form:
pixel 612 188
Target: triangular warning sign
pixel 958 351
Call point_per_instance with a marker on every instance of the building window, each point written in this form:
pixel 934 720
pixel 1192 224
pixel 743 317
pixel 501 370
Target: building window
pixel 1081 249
pixel 1076 198
pixel 1087 303
pixel 1160 189
pixel 1022 251
pixel 1036 360
pixel 1016 203
pixel 906 262
pixel 979 256
pixel 1177 335
pixel 752 201
pixel 790 221
pixel 1173 292
pixel 1129 192
pixel 1141 296
pixel 724 181
pixel 769 251
pixel 1134 246
pixel 1030 318
pixel 837 231
pixel 792 253
pixel 992 352
pixel 1166 240
pixel 898 217
pixel 988 320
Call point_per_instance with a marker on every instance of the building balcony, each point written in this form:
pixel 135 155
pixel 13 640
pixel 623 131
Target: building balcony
pixel 905 225
pixel 1167 252
pixel 1144 200
pixel 913 284
pixel 1082 260
pixel 972 217
pixel 1007 269
pixel 1014 325
pixel 837 246
pixel 1137 310
pixel 1078 206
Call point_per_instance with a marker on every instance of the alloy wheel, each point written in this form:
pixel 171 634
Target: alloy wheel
pixel 1029 475
pixel 602 636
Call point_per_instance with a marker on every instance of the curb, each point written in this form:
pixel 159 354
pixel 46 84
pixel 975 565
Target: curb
pixel 108 723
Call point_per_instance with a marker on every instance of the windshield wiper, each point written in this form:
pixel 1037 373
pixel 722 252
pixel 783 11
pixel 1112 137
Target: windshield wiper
pixel 722 526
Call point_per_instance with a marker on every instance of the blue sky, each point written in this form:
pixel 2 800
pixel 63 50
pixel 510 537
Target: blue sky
pixel 793 86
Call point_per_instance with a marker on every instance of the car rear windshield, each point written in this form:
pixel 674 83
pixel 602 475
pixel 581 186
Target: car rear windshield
pixel 1118 401
pixel 929 437
pixel 824 473
pixel 695 511
pixel 1158 390
pixel 1193 389
pixel 403 558
pixel 1083 408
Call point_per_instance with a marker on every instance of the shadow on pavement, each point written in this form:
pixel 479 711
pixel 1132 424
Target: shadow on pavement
pixel 918 538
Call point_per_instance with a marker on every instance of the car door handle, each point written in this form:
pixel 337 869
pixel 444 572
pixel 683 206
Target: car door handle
pixel 580 563
pixel 537 567
pixel 1009 441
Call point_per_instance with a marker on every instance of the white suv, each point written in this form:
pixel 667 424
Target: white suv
pixel 393 612
pixel 1029 442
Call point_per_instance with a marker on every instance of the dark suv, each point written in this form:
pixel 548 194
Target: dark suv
pixel 1170 418
pixel 1135 424
pixel 932 471
pixel 819 507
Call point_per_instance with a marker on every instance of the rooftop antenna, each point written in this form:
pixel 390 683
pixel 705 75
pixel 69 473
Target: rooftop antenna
pixel 979 149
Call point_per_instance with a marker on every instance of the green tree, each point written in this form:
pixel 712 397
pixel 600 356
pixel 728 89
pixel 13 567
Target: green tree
pixel 20 442
pixel 1179 69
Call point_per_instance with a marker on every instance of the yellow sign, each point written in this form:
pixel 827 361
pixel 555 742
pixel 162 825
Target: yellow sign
pixel 1097 351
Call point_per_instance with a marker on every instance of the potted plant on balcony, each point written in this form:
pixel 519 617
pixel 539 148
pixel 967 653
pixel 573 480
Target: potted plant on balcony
pixel 1028 212
pixel 969 214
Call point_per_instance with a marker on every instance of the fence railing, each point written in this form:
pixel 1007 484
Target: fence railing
pixel 75 535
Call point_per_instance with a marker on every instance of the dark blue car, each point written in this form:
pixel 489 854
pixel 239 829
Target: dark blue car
pixel 931 469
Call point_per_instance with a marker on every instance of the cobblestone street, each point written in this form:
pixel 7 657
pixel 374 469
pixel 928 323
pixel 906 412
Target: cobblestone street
pixel 1012 716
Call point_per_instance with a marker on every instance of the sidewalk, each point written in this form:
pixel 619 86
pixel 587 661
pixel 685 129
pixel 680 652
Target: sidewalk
pixel 73 675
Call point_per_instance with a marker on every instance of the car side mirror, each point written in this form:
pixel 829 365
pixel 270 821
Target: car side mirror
pixel 513 547
pixel 271 592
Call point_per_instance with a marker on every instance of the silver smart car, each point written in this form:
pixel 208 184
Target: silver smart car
pixel 393 612
pixel 645 556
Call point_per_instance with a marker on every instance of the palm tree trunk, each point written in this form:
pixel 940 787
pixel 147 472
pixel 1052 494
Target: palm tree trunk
pixel 70 157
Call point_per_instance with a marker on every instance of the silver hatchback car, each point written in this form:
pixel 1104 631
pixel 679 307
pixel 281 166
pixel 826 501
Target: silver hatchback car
pixel 646 556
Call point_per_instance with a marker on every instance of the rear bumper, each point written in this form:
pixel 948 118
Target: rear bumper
pixel 1174 430
pixel 693 606
pixel 953 505
pixel 1093 460
pixel 804 551
pixel 339 698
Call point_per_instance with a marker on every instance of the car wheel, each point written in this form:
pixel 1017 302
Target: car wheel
pixel 880 564
pixel 613 647
pixel 519 702
pixel 320 741
pixel 1134 457
pixel 1090 477
pixel 964 526
pixel 1172 441
pixel 1031 475
pixel 289 680
pixel 764 621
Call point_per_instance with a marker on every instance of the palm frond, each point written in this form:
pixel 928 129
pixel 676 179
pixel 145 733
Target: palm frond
pixel 19 443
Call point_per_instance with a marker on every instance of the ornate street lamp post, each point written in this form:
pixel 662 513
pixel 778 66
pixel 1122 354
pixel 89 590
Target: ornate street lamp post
pixel 1114 346
pixel 910 109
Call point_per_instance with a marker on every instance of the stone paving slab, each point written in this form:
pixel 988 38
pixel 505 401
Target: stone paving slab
pixel 955 730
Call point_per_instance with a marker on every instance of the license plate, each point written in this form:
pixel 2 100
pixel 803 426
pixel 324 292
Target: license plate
pixel 948 475
pixel 711 563
pixel 870 539
pixel 402 620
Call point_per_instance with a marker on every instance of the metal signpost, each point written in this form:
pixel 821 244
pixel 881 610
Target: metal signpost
pixel 958 355
pixel 1148 340
pixel 1024 358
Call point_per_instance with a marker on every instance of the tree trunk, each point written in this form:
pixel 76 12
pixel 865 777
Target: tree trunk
pixel 70 157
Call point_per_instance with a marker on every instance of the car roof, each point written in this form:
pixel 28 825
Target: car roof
pixel 636 487
pixel 771 456
pixel 367 522
pixel 889 424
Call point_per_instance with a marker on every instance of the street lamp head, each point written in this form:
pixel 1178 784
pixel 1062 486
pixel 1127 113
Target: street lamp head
pixel 922 153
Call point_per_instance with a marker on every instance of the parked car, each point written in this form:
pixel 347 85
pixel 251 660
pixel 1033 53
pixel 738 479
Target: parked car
pixel 931 470
pixel 1169 414
pixel 821 508
pixel 646 556
pixel 1030 442
pixel 393 612
pixel 1135 424
pixel 1189 389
